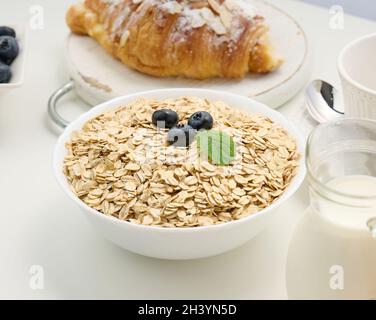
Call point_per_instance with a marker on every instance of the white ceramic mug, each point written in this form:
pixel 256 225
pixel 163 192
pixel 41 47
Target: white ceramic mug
pixel 357 68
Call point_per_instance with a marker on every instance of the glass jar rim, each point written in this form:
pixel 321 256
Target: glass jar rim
pixel 310 174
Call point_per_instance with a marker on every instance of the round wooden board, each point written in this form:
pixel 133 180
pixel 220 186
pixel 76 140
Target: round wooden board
pixel 100 77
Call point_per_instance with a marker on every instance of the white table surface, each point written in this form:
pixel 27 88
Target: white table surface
pixel 39 226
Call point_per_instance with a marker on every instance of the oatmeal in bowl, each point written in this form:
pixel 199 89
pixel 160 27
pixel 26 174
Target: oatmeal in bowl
pixel 123 165
pixel 167 166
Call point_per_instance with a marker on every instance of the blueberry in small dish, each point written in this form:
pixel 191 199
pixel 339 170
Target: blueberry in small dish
pixel 165 118
pixel 7 31
pixel 8 49
pixel 5 73
pixel 201 120
pixel 181 136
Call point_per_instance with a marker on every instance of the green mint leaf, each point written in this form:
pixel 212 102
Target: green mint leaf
pixel 217 146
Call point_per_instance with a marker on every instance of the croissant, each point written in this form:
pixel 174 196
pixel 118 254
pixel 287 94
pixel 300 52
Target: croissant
pixel 166 38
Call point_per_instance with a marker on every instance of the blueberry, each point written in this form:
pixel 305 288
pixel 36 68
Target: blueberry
pixel 201 120
pixel 181 136
pixel 5 73
pixel 8 49
pixel 165 118
pixel 7 31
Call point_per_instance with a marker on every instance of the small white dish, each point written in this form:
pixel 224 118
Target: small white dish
pixel 178 243
pixel 18 65
pixel 356 66
pixel 97 77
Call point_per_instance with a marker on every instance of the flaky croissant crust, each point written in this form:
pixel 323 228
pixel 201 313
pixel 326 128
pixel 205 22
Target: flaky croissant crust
pixel 194 39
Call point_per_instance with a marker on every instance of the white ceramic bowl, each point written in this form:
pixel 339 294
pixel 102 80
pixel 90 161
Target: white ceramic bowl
pixel 179 244
pixel 18 64
pixel 356 66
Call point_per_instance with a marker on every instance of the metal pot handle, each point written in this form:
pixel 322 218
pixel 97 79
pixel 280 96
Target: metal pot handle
pixel 372 226
pixel 54 115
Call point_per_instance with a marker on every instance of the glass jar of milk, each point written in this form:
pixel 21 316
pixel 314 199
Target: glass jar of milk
pixel 332 253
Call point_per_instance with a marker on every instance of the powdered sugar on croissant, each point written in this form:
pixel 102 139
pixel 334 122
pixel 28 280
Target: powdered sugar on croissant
pixel 191 38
